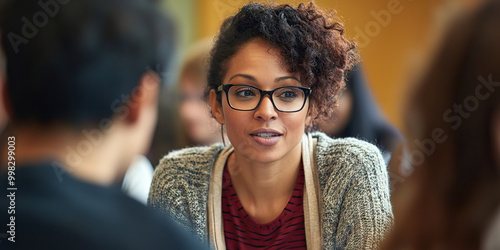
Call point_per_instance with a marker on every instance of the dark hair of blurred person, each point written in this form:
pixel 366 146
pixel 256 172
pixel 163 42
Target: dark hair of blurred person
pixel 452 199
pixel 82 98
pixel 357 115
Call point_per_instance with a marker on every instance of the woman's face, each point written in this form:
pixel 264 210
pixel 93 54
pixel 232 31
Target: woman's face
pixel 259 65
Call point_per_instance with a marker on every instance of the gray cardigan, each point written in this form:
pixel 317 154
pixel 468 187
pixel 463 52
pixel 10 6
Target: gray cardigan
pixel 356 211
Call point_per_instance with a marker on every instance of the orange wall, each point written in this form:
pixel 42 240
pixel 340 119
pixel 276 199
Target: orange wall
pixel 391 47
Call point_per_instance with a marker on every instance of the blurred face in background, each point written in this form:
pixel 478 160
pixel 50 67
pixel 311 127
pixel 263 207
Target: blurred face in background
pixel 201 127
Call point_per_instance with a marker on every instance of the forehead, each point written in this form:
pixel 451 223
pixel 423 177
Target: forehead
pixel 259 59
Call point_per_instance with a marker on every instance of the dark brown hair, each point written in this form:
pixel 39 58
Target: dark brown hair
pixel 454 193
pixel 311 43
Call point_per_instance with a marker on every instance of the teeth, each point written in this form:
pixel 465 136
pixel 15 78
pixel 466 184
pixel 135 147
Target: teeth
pixel 266 135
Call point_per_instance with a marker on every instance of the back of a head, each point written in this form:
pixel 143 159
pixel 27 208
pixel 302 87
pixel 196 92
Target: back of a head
pixel 455 190
pixel 69 61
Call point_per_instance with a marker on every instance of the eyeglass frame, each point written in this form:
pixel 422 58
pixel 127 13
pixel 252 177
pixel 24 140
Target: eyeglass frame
pixel 226 87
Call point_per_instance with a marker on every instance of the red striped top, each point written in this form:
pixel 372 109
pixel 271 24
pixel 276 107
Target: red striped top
pixel 242 232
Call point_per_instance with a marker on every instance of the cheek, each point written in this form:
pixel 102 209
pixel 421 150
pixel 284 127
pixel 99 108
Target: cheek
pixel 184 110
pixel 295 122
pixel 235 122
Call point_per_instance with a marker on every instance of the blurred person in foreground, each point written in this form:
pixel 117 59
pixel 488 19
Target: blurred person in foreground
pixel 82 103
pixel 452 200
pixel 273 70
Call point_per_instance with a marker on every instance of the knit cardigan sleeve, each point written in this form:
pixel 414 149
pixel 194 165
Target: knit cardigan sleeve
pixel 357 212
pixel 180 187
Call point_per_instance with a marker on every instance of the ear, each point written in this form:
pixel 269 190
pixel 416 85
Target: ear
pixel 216 107
pixel 144 96
pixel 311 113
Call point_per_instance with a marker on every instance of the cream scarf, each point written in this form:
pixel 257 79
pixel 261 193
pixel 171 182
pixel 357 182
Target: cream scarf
pixel 312 198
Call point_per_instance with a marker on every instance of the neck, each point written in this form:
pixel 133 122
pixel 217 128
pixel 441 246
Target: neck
pixel 265 186
pixel 76 154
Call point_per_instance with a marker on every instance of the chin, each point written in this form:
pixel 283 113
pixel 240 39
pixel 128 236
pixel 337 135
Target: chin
pixel 263 155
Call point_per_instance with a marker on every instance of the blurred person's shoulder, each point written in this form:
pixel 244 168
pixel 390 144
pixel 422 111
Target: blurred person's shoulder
pixel 54 210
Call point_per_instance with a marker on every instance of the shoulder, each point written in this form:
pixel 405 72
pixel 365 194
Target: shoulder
pixel 190 161
pixel 185 169
pixel 180 186
pixel 347 162
pixel 182 176
pixel 354 185
pixel 345 150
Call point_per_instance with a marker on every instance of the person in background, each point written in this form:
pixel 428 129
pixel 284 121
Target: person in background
pixel 452 200
pixel 82 102
pixel 200 127
pixel 273 69
pixel 184 117
pixel 358 116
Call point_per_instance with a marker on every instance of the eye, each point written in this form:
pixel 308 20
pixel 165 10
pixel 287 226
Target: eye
pixel 245 92
pixel 288 93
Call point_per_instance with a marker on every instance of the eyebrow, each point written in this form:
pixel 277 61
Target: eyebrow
pixel 249 77
pixel 285 78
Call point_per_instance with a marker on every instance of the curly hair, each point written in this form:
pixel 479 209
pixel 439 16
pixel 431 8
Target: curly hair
pixel 311 43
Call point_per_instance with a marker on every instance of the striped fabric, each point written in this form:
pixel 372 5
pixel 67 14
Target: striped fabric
pixel 242 232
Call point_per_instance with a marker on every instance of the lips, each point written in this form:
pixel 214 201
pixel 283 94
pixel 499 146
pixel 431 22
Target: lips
pixel 266 137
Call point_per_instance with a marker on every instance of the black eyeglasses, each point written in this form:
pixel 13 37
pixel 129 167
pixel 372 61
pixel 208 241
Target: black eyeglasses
pixel 287 99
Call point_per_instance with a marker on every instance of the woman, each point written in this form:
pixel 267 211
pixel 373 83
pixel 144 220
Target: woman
pixel 452 201
pixel 273 70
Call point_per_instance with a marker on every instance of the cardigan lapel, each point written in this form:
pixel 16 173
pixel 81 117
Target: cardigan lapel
pixel 312 204
pixel 214 209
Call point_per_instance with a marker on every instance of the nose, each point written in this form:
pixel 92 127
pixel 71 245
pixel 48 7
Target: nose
pixel 266 110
